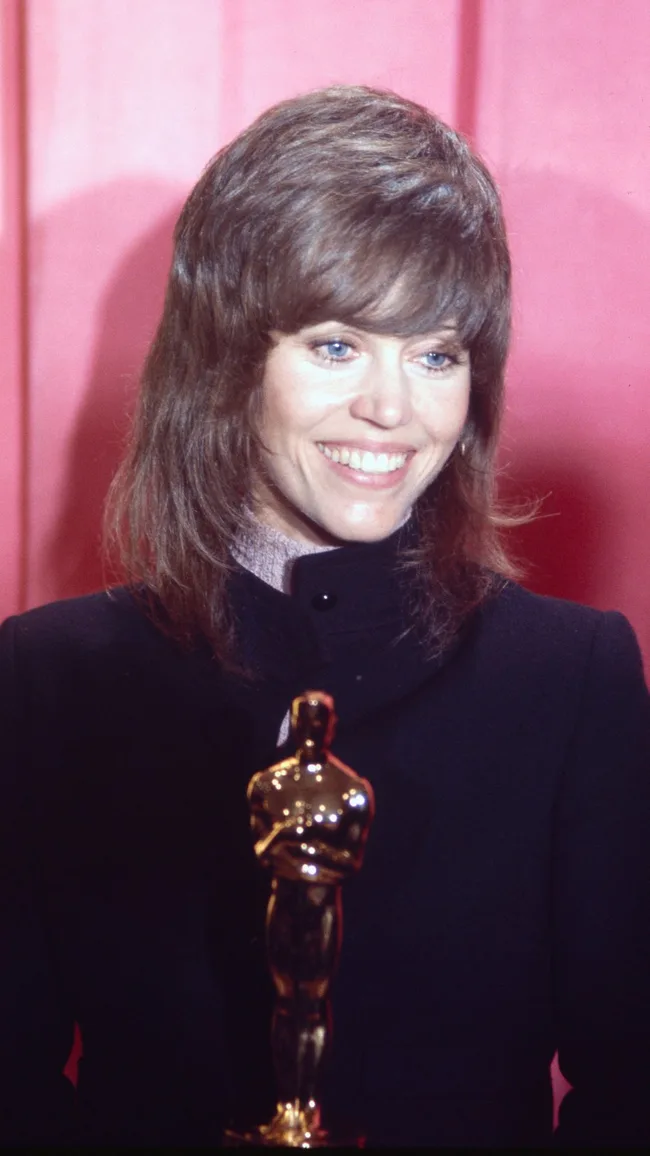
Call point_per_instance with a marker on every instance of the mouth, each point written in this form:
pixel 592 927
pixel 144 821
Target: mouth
pixel 368 461
pixel 379 468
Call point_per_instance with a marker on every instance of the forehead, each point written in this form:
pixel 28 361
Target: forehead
pixel 335 326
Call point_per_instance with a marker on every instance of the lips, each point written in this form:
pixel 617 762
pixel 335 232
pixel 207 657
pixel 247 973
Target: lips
pixel 376 469
pixel 366 460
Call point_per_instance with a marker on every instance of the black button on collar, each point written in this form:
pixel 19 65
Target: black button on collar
pixel 324 601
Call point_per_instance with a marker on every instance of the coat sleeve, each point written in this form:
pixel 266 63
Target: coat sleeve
pixel 601 903
pixel 36 1028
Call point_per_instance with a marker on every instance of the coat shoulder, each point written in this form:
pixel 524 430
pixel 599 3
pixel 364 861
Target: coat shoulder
pixel 537 625
pixel 548 615
pixel 87 625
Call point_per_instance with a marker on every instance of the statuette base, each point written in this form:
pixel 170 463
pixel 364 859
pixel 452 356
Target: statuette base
pixel 291 1127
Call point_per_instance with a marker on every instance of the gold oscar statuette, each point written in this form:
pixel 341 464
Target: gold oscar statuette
pixel 310 817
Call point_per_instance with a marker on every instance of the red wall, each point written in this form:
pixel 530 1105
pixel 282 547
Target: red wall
pixel 110 108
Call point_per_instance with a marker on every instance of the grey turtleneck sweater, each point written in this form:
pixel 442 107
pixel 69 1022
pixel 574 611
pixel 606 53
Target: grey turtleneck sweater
pixel 270 554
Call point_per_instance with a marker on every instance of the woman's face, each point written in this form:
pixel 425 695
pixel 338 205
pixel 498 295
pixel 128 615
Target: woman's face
pixel 355 427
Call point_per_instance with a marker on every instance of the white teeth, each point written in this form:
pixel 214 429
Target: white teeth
pixel 365 460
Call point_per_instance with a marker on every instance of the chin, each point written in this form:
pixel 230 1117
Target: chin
pixel 328 526
pixel 369 530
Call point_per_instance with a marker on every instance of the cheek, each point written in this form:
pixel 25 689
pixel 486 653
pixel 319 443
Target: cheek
pixel 443 411
pixel 280 409
pixel 292 408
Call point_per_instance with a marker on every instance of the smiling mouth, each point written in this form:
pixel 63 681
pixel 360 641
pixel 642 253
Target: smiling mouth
pixel 363 460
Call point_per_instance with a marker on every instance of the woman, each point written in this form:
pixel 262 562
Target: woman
pixel 307 501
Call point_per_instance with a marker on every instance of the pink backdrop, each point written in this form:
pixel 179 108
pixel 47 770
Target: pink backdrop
pixel 110 108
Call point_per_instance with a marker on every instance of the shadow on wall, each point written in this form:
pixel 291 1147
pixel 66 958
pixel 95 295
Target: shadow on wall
pixel 562 550
pixel 131 308
pixel 578 387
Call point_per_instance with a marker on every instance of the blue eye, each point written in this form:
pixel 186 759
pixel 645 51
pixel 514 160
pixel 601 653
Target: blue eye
pixel 332 350
pixel 336 349
pixel 435 360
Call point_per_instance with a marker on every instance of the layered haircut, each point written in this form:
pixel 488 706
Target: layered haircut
pixel 347 204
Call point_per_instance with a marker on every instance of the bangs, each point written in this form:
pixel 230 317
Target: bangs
pixel 397 274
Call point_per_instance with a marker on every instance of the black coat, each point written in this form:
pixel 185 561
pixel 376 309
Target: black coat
pixel 502 912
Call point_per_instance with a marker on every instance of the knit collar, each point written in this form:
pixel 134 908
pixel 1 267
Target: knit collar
pixel 270 554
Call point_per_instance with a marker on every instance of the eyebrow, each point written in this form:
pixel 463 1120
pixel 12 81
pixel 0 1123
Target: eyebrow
pixel 317 326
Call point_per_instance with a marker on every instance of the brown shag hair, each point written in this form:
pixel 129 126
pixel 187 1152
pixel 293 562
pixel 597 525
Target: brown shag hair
pixel 347 204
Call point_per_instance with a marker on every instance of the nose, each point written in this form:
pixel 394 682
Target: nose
pixel 383 397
